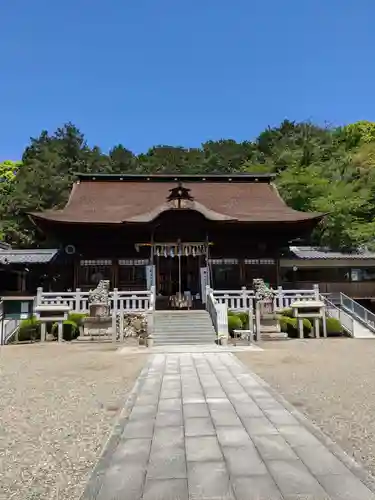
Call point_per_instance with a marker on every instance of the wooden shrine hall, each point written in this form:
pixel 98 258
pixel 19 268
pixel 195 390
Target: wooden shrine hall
pixel 177 232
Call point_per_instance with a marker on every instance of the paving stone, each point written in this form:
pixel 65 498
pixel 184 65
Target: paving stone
pixel 167 463
pixel 141 412
pixel 345 487
pixel 295 481
pixel 169 418
pixel 170 394
pixel 201 426
pixel 240 397
pixel 215 393
pixel 280 417
pixel 168 437
pixel 319 460
pixel 268 404
pixel 232 436
pixel 166 489
pixel 200 449
pixel 219 403
pixel 192 410
pixel 135 451
pixel 256 488
pixel 123 483
pixel 244 460
pixel 274 448
pixel 170 404
pixel 248 410
pixel 209 481
pixel 297 435
pixel 139 429
pixel 225 417
pixel 258 426
pixel 148 400
pixel 193 399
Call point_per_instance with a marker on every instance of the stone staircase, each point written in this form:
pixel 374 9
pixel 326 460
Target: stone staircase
pixel 183 327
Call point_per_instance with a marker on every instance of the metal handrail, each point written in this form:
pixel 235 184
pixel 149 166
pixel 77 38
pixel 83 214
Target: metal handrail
pixel 332 311
pixel 358 312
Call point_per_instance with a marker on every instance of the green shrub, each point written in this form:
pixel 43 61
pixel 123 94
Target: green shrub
pixel 77 318
pixel 283 320
pixel 29 330
pixel 334 327
pixel 292 327
pixel 232 313
pixel 234 323
pixel 70 330
pixel 288 312
pixel 244 317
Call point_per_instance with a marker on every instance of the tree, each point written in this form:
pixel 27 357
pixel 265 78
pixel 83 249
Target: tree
pixel 324 169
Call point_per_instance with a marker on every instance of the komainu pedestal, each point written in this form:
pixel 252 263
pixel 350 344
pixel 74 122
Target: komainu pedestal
pixel 98 324
pixel 267 323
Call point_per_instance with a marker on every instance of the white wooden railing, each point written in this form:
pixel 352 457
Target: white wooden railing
pixel 78 301
pixel 218 313
pixel 151 311
pixel 244 299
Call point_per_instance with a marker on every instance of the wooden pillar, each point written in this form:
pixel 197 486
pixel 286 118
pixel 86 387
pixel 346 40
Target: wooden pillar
pixel 241 263
pixel 76 265
pixel 115 273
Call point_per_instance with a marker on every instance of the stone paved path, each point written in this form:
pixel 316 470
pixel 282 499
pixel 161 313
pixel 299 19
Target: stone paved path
pixel 202 427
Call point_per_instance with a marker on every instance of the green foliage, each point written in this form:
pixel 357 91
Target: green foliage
pixel 70 330
pixel 77 318
pixel 234 323
pixel 321 169
pixel 289 325
pixel 288 312
pixel 29 330
pixel 333 326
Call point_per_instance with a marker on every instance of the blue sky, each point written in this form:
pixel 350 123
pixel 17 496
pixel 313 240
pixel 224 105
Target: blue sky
pixel 147 72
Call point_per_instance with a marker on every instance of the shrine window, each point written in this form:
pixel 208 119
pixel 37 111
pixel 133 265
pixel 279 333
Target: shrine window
pixel 132 274
pixel 90 272
pixel 225 274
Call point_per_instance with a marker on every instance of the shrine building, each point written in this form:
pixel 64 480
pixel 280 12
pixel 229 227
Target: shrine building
pixel 177 232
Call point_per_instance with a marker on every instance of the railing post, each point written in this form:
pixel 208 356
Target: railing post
pixel 39 294
pixel 316 291
pixel 77 305
pixel 207 291
pixel 279 298
pixel 114 314
pixel 222 320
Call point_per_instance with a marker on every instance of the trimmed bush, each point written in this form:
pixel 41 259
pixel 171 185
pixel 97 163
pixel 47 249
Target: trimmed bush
pixel 283 321
pixel 234 323
pixel 29 330
pixel 334 327
pixel 232 313
pixel 288 312
pixel 244 317
pixel 70 330
pixel 77 318
pixel 292 327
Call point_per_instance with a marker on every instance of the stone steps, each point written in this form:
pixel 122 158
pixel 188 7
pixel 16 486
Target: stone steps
pixel 183 327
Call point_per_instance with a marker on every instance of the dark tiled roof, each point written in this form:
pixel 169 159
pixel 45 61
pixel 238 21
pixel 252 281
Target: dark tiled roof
pixel 29 256
pixel 312 253
pixel 116 201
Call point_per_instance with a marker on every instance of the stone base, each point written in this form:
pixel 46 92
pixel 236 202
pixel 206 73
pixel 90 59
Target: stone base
pixel 96 329
pixel 273 336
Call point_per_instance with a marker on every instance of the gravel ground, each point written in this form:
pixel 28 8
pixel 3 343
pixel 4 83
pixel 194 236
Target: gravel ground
pixel 332 381
pixel 58 404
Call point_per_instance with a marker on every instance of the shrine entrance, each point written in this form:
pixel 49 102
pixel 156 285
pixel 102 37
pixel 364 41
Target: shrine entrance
pixel 178 273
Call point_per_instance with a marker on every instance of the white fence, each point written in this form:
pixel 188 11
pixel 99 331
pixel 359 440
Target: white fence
pixel 7 327
pixel 244 299
pixel 78 301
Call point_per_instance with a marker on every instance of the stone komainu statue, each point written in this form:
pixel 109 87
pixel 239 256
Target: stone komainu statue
pixel 262 292
pixel 100 295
